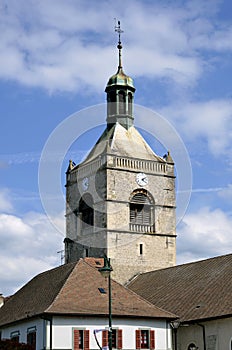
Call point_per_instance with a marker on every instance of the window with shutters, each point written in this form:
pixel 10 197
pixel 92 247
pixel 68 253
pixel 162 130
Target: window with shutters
pixel 81 339
pixel 86 211
pixel 15 336
pixel 31 337
pixel 116 338
pixel 141 212
pixel 145 339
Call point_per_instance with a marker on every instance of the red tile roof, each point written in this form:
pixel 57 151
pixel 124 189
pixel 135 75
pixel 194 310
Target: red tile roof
pixel 95 262
pixel 36 296
pixel 195 291
pixel 73 289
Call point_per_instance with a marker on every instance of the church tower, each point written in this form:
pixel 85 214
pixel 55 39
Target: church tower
pixel 120 201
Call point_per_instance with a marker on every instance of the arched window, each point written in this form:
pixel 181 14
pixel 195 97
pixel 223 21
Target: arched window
pixel 86 211
pixel 111 105
pixel 192 346
pixel 141 212
pixel 122 102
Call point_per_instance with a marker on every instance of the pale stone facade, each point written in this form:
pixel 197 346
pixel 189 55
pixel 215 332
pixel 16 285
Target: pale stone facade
pixel 112 180
pixel 121 199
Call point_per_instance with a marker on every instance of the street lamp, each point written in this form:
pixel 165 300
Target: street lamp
pixel 105 272
pixel 175 324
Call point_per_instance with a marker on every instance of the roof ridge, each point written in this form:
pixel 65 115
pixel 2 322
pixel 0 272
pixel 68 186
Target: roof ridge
pixel 17 308
pixel 76 264
pixel 204 260
pixel 88 259
pixel 38 275
pixel 180 265
pixel 64 284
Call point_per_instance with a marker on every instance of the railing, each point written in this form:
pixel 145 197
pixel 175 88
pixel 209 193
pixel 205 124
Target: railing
pixel 147 166
pixel 92 167
pixel 141 228
pixel 138 164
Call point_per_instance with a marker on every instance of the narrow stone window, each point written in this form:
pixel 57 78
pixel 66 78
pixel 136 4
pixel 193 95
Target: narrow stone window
pixel 141 249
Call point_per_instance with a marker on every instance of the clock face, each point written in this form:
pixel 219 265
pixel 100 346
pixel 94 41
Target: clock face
pixel 85 183
pixel 141 179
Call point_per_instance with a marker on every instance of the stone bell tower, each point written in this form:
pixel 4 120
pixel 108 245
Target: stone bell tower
pixel 120 201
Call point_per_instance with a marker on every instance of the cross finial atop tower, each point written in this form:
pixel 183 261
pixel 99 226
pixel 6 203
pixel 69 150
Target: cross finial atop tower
pixel 118 29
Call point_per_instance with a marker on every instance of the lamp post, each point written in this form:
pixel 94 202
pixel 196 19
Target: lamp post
pixel 175 324
pixel 105 272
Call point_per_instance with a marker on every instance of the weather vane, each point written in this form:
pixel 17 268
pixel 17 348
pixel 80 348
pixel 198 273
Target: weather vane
pixel 118 29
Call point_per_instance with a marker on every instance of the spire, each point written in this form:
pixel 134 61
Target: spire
pixel 120 92
pixel 118 29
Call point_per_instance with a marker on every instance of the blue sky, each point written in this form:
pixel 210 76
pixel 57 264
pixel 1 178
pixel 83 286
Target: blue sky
pixel 56 58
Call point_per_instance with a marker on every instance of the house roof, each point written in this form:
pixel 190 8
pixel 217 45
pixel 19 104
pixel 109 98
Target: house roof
pixel 73 289
pixel 194 291
pixel 35 296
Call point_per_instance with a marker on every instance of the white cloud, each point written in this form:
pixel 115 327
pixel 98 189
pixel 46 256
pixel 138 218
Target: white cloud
pixel 208 120
pixel 29 245
pixel 5 202
pixel 34 157
pixel 56 48
pixel 18 270
pixel 203 234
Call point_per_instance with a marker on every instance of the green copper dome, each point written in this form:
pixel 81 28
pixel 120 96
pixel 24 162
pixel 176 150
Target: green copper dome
pixel 120 78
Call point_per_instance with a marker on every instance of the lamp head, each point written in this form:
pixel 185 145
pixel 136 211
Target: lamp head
pixel 106 269
pixel 175 324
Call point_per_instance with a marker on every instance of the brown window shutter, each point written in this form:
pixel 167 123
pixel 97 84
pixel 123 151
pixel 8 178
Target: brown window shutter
pixel 76 339
pixel 138 339
pixel 86 339
pixel 119 338
pixel 152 339
pixel 104 339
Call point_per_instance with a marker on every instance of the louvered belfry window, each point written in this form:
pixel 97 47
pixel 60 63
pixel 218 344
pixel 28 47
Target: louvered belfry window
pixel 141 212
